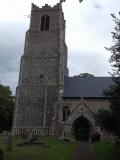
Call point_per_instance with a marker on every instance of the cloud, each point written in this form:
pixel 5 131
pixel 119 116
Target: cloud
pixel 98 6
pixel 9 79
pixel 89 62
pixel 11 49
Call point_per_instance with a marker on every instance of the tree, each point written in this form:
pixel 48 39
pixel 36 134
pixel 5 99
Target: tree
pixel 6 108
pixel 85 75
pixel 115 49
pixel 110 119
pixel 104 119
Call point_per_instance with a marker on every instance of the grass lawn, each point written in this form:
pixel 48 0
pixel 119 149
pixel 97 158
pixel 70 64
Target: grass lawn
pixel 58 150
pixel 106 151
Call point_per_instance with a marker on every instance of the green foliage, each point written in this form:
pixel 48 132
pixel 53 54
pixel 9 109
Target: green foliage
pixel 95 137
pixel 114 94
pixel 110 120
pixel 104 119
pixel 85 75
pixel 6 108
pixel 106 150
pixel 115 49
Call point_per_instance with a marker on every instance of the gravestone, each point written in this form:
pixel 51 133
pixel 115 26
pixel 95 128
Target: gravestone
pixel 7 139
pixel 1 155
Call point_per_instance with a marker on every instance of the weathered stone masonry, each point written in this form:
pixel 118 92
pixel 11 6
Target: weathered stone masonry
pixel 42 71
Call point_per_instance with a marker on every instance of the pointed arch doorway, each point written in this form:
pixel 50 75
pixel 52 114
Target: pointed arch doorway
pixel 81 129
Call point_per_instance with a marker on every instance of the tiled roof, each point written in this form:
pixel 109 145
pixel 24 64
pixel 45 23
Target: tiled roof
pixel 86 86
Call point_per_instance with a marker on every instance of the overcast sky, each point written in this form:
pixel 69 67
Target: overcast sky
pixel 88 31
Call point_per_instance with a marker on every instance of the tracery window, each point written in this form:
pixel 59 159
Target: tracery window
pixel 45 21
pixel 66 113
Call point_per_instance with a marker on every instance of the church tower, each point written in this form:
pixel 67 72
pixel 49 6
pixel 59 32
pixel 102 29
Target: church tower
pixel 42 71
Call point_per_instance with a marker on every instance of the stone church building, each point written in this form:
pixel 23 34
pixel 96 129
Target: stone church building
pixel 48 101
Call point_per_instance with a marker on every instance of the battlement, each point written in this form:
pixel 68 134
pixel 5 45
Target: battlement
pixel 36 8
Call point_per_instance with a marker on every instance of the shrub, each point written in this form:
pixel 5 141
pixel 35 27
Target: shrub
pixel 95 137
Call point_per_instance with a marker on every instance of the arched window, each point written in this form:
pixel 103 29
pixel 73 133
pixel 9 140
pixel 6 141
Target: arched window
pixel 45 20
pixel 66 113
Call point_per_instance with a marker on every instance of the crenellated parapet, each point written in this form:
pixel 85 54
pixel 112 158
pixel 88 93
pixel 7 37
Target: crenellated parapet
pixel 54 12
pixel 36 8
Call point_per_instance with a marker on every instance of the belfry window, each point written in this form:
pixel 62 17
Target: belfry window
pixel 45 21
pixel 66 113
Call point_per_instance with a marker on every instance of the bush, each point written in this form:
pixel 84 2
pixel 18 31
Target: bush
pixel 95 137
pixel 117 141
pixel 67 140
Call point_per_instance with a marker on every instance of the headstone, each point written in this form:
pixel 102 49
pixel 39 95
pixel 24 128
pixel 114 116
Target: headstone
pixel 7 138
pixel 1 155
pixel 30 137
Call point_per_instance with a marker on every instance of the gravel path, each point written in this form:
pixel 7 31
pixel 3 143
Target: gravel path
pixel 83 152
